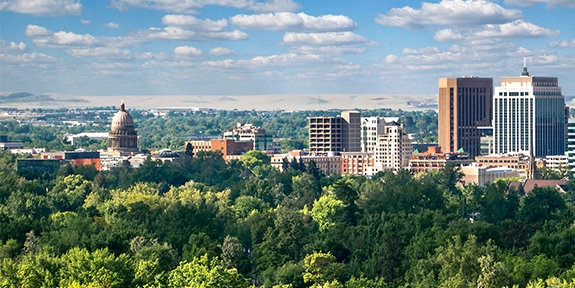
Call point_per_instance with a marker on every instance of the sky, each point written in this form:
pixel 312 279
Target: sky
pixel 253 47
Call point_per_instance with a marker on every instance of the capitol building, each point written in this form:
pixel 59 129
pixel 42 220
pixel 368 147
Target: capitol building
pixel 122 139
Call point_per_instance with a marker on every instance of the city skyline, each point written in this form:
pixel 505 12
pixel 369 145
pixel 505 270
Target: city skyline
pixel 219 47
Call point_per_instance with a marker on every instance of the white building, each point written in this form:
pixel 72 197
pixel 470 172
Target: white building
pixel 72 139
pixel 529 113
pixel 393 148
pixel 570 145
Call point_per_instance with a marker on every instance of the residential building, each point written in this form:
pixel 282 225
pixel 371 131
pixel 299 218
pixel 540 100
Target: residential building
pixel 464 106
pixel 370 128
pixel 529 116
pixel 356 163
pixel 393 148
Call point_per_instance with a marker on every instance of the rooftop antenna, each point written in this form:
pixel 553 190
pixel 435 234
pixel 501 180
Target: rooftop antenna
pixel 525 72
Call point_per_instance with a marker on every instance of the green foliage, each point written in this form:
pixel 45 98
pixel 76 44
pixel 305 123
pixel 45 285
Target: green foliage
pixel 204 272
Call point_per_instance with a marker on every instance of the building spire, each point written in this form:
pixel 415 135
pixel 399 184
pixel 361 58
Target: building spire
pixel 122 106
pixel 525 72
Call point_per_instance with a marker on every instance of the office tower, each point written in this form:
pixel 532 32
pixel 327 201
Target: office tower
pixel 351 131
pixel 571 144
pixel 335 134
pixel 464 106
pixel 262 140
pixel 529 114
pixel 393 148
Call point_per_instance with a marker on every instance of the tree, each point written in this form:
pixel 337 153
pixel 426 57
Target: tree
pixel 321 268
pixel 205 272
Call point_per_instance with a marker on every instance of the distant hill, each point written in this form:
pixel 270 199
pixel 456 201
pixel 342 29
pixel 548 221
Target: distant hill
pixel 24 97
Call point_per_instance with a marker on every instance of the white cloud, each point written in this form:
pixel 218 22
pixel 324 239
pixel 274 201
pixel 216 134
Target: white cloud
pixel 287 60
pixel 43 7
pixel 26 58
pixel 276 5
pixel 99 52
pixel 491 33
pixel 195 23
pixel 45 38
pixel 176 33
pixel 548 3
pixel 228 63
pixel 221 51
pixel 323 39
pixel 113 25
pixel 331 50
pixel 291 21
pixel 424 50
pixel 191 6
pixel 562 44
pixel 85 22
pixel 12 46
pixel 449 13
pixel 187 50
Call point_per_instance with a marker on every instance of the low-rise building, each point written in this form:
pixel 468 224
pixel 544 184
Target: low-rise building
pixel 481 175
pixel 434 159
pixel 356 163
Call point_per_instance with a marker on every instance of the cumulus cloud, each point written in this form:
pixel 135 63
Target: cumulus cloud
pixel 177 33
pixel 323 39
pixel 449 13
pixel 191 6
pixel 43 7
pixel 221 51
pixel 492 32
pixel 12 46
pixel 291 21
pixel 195 23
pixel 562 44
pixel 330 50
pixel 548 3
pixel 113 25
pixel 26 58
pixel 287 60
pixel 99 52
pixel 187 51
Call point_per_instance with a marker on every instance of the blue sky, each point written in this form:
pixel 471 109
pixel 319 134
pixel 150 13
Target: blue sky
pixel 251 47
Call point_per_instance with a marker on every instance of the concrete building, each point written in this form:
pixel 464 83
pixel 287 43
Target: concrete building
pixel 570 146
pixel 393 148
pixel 335 134
pixel 434 160
pixel 517 161
pixel 328 164
pixel 73 139
pixel 464 106
pixel 261 140
pixel 356 163
pixel 529 114
pixel 122 139
pixel 227 147
pixel 481 175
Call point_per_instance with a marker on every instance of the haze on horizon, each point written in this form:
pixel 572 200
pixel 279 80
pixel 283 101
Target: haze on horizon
pixel 250 47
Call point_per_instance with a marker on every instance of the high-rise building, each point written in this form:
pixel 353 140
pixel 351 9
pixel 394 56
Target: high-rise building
pixel 571 144
pixel 393 148
pixel 464 106
pixel 370 128
pixel 332 135
pixel 529 116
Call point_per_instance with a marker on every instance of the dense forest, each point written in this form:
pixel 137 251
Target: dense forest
pixel 208 223
pixel 174 128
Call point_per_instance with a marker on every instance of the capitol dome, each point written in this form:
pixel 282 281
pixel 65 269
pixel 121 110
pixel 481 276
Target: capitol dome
pixel 122 119
pixel 123 138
